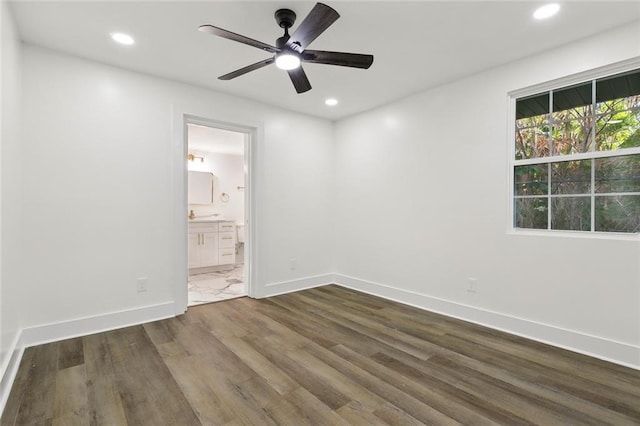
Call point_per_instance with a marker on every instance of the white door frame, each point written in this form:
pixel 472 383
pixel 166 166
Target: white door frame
pixel 179 198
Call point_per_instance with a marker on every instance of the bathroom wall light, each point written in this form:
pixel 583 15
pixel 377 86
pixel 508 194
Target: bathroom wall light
pixel 192 157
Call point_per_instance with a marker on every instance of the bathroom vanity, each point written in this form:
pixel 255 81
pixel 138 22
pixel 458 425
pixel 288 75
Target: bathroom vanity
pixel 212 243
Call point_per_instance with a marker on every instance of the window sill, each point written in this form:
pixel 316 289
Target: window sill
pixel 574 234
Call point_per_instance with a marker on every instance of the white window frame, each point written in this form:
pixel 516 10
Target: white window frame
pixel 554 85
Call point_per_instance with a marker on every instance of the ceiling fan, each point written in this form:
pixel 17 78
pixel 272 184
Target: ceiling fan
pixel 291 50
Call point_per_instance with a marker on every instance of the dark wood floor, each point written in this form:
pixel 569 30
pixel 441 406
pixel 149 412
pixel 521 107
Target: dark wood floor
pixel 325 356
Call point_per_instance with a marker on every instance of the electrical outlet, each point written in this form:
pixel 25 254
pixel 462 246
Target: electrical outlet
pixel 472 282
pixel 293 264
pixel 141 286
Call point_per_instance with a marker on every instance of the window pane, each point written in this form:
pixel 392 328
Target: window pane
pixel 531 180
pixel 618 129
pixel 571 99
pixel 618 174
pixel 618 86
pixel 532 142
pixel 532 106
pixel 612 105
pixel 531 213
pixel 573 135
pixel 571 177
pixel 571 213
pixel 618 213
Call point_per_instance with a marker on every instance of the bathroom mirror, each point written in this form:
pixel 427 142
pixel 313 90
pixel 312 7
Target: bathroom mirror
pixel 200 188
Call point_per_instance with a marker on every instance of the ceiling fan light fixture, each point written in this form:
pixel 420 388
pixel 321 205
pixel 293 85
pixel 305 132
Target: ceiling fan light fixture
pixel 287 61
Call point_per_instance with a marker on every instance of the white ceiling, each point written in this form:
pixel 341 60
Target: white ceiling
pixel 210 139
pixel 416 44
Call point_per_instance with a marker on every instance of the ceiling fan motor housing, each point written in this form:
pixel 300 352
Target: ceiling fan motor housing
pixel 285 18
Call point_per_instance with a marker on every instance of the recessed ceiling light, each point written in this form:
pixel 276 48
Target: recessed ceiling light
pixel 122 38
pixel 546 11
pixel 331 102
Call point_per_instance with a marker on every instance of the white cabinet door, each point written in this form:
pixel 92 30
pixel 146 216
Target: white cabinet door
pixel 209 249
pixel 203 245
pixel 194 250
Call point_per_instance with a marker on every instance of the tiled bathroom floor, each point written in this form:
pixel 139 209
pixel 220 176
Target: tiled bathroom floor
pixel 216 286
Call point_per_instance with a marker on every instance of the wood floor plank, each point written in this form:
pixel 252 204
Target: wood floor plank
pixel 242 404
pixel 323 329
pixel 310 380
pixel 380 332
pixel 366 400
pixel 19 389
pixel 607 396
pixel 276 378
pixel 105 405
pixel 459 406
pixel 367 379
pixel 546 408
pixel 71 353
pixel 355 414
pixel 71 404
pixel 392 415
pixel 323 356
pixel 39 397
pixel 194 377
pixel 150 394
pixel 314 410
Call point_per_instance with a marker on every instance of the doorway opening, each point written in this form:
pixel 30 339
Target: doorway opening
pixel 217 206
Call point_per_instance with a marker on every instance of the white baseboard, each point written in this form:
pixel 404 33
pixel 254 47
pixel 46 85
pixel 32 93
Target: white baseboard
pixel 10 369
pixel 597 347
pixel 283 287
pixel 47 333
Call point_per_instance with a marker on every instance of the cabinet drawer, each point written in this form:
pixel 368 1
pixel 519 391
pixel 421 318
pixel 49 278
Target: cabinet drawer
pixel 227 256
pixel 226 239
pixel 227 227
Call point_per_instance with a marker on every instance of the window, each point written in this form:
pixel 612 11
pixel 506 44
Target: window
pixel 576 162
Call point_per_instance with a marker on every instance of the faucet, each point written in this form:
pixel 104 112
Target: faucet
pixel 192 215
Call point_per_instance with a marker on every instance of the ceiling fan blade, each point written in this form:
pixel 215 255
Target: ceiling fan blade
pixel 210 29
pixel 319 19
pixel 248 68
pixel 299 80
pixel 354 60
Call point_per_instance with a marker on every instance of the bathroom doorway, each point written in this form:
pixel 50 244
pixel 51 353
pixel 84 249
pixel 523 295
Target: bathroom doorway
pixel 217 207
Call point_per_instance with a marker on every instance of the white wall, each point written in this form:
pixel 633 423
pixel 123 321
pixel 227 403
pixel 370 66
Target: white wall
pixel 422 199
pixel 228 174
pixel 10 194
pixel 414 198
pixel 98 145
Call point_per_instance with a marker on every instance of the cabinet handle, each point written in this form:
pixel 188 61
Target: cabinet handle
pixel 227 254
pixel 202 239
pixel 227 238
